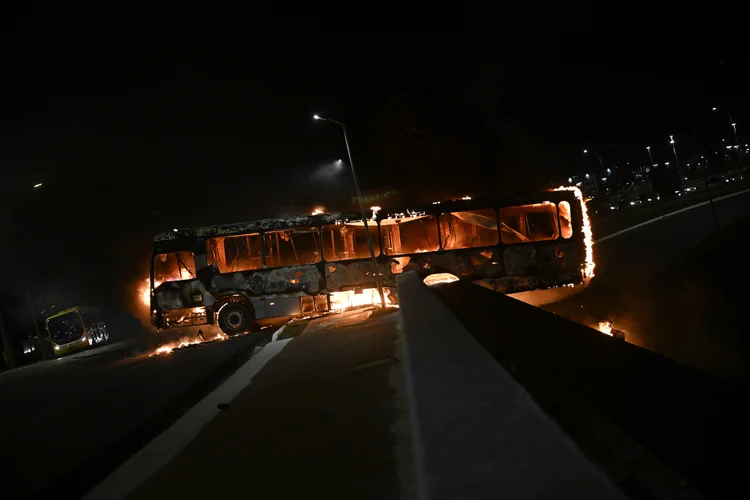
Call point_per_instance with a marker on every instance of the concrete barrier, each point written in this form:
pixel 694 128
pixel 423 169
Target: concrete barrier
pixel 477 433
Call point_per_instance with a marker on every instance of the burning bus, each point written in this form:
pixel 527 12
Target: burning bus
pixel 236 275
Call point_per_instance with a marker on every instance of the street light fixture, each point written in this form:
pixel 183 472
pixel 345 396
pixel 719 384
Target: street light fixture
pixel 378 281
pixel 676 161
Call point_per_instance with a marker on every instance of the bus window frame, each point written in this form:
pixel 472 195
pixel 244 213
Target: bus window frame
pixel 499 241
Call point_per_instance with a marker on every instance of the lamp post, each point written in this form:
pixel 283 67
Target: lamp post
pixel 650 158
pixel 676 161
pixel 601 164
pixel 378 281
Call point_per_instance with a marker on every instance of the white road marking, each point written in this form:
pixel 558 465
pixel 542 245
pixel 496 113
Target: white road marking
pixel 670 214
pixel 171 442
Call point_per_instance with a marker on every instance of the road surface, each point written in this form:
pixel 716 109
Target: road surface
pixel 642 286
pixel 67 423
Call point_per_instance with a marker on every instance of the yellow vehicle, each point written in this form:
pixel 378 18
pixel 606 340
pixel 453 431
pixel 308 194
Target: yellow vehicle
pixel 76 329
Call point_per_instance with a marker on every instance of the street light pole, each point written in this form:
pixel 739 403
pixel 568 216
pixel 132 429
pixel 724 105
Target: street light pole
pixel 650 158
pixel 378 281
pixel 601 164
pixel 676 161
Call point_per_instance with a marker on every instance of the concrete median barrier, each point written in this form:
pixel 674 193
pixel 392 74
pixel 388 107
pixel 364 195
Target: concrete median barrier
pixel 477 432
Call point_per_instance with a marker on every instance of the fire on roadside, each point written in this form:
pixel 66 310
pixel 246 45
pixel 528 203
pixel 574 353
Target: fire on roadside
pixel 588 236
pixel 168 348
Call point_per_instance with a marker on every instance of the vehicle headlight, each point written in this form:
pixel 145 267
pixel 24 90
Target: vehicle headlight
pixel 57 347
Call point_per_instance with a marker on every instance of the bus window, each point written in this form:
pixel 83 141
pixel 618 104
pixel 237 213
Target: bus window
pixel 527 223
pixel 235 253
pixel 410 235
pixel 566 220
pixel 174 266
pixel 349 241
pixel 292 247
pixel 475 228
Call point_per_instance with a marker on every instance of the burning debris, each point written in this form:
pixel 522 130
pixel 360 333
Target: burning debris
pixel 608 328
pixel 184 342
pixel 348 299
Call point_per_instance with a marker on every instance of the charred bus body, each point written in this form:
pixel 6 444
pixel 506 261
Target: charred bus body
pixel 237 274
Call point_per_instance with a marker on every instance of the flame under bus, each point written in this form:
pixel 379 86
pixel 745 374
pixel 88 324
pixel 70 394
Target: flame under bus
pixel 237 274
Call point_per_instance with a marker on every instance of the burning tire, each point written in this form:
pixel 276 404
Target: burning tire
pixel 235 318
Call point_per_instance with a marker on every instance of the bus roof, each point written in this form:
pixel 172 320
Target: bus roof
pixel 338 217
pixel 70 310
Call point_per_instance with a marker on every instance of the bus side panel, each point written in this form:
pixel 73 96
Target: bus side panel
pixel 261 282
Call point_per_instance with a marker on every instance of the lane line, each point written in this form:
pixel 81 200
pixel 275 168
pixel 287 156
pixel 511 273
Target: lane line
pixel 165 447
pixel 670 214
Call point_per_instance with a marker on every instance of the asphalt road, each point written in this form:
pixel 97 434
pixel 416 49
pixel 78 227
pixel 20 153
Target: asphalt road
pixel 68 423
pixel 642 286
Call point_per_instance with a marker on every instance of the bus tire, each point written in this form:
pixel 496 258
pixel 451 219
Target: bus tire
pixel 235 318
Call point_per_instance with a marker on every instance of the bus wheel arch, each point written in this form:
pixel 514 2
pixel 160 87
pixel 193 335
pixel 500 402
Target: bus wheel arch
pixel 235 314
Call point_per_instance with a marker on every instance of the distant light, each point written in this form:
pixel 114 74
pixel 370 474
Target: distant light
pixel 436 203
pixel 585 150
pixel 648 147
pixel 317 211
pixel 632 203
pixel 587 176
pixel 175 230
pixel 570 180
pixel 339 161
pixel 316 117
pixel 729 147
pixel 467 197
pixel 734 124
pixel 713 109
pixel 38 185
pixel 57 347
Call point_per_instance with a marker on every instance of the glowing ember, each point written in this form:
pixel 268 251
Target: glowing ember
pixel 317 211
pixel 347 299
pixel 606 327
pixel 588 236
pixel 438 278
pixel 168 348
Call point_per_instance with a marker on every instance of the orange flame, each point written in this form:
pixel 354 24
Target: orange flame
pixel 606 327
pixel 588 235
pixel 168 348
pixel 346 299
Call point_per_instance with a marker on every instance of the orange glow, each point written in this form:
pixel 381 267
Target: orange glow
pixel 144 292
pixel 317 211
pixel 606 327
pixel 438 278
pixel 347 299
pixel 168 348
pixel 588 235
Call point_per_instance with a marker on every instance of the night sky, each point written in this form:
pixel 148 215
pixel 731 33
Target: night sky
pixel 141 121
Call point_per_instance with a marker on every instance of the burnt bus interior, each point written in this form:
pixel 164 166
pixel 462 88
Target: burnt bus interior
pixel 281 267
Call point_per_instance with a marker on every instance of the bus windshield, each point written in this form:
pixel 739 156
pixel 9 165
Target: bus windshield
pixel 174 266
pixel 65 328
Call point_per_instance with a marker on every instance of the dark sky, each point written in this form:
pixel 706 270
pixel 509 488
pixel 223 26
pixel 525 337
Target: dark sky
pixel 142 120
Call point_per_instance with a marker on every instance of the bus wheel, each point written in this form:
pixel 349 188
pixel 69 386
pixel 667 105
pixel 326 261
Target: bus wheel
pixel 234 318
